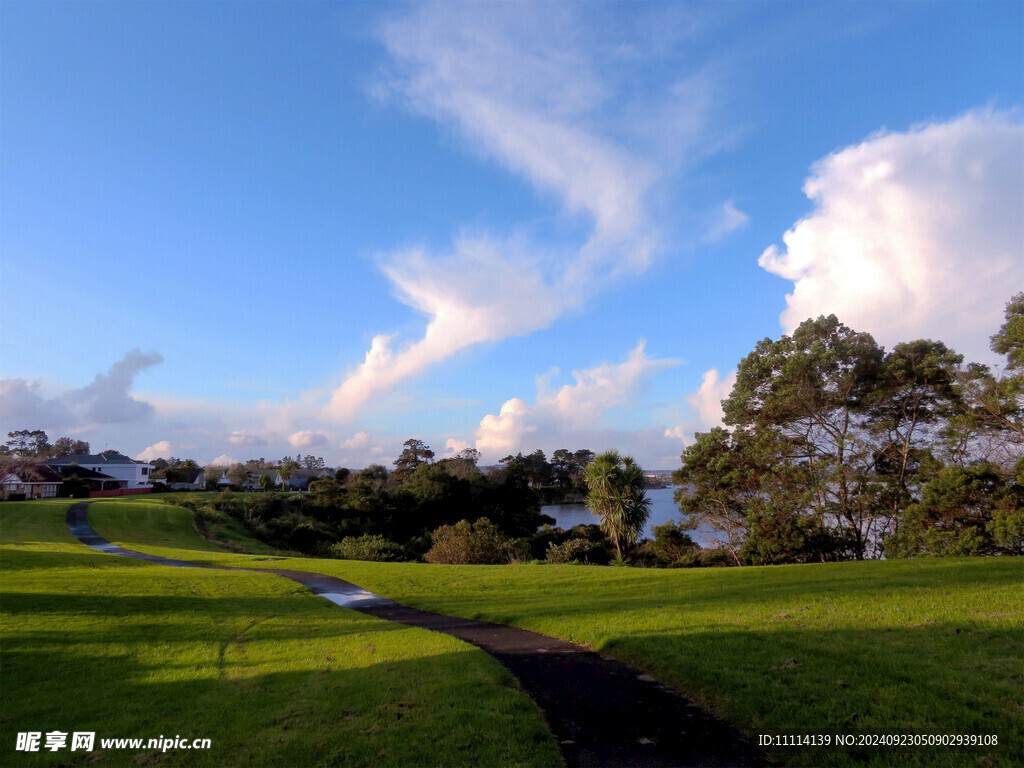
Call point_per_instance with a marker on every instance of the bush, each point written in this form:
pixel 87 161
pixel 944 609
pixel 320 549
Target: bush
pixel 16 497
pixel 673 546
pixel 465 543
pixel 576 552
pixel 374 548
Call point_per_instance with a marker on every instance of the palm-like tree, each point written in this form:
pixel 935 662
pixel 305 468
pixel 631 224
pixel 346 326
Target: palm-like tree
pixel 617 496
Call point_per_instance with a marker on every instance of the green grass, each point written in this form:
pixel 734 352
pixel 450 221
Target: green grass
pixel 918 647
pixel 270 673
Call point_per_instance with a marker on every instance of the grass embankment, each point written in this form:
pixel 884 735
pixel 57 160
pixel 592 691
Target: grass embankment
pixel 900 647
pixel 270 673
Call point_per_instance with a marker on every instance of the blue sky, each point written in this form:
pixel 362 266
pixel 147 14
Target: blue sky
pixel 258 229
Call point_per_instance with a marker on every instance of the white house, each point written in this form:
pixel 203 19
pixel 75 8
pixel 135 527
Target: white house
pixel 116 465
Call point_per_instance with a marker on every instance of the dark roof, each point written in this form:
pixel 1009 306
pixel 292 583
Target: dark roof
pixel 82 473
pixel 37 473
pixel 94 458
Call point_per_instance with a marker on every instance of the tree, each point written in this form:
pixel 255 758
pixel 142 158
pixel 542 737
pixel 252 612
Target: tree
pixel 416 452
pixel 743 484
pixel 616 495
pixel 288 468
pixel 990 425
pixel 238 474
pixel 265 482
pixel 65 446
pixel 311 462
pixel 1009 339
pixel 472 455
pixel 27 442
pixel 960 512
pixel 812 389
pixel 915 395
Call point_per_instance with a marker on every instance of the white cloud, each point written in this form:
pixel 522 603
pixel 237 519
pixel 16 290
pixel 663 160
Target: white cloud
pixel 481 291
pixel 915 234
pixel 728 219
pixel 707 400
pixel 223 460
pixel 573 413
pixel 106 400
pixel 555 119
pixel 248 439
pixel 23 405
pixel 307 439
pixel 157 450
pixel 453 446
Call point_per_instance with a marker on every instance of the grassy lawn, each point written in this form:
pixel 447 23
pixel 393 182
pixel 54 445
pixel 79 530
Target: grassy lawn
pixel 918 647
pixel 271 674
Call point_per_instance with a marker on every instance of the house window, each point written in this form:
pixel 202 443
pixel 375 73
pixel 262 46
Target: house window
pixel 145 471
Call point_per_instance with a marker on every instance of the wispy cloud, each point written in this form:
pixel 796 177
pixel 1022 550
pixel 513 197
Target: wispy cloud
pixel 522 84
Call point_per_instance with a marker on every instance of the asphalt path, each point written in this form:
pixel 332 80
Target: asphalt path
pixel 601 711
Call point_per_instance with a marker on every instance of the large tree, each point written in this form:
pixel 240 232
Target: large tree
pixel 27 442
pixel 812 389
pixel 66 446
pixel 416 452
pixel 616 495
pixel 914 397
pixel 990 425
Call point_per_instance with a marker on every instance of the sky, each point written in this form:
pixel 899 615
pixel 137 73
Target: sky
pixel 244 230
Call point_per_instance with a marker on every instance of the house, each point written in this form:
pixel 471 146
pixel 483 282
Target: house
pixel 301 478
pixel 36 481
pixel 136 474
pixel 91 479
pixel 252 482
pixel 178 479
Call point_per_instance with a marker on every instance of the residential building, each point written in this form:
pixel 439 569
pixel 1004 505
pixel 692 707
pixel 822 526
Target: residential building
pixel 116 465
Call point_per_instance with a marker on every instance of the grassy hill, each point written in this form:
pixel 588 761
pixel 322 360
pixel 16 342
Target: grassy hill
pixel 278 676
pixel 913 646
pixel 271 674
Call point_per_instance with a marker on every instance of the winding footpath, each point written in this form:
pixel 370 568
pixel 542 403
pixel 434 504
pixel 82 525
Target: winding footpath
pixel 601 711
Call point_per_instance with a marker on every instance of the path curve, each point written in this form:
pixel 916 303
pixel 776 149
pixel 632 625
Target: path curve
pixel 601 711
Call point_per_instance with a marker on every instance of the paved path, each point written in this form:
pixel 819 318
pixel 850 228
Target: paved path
pixel 601 711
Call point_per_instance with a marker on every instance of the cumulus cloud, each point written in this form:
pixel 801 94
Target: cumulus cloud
pixel 223 460
pixel 248 439
pixel 307 439
pixel 914 234
pixel 707 400
pixel 22 402
pixel 573 413
pixel 157 450
pixel 556 120
pixel 106 400
pixel 454 446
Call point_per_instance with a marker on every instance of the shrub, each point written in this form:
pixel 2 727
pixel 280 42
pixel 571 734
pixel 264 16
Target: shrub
pixel 576 552
pixel 465 543
pixel 16 497
pixel 369 547
pixel 673 546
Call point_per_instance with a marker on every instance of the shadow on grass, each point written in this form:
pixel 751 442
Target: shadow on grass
pixel 920 680
pixel 449 709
